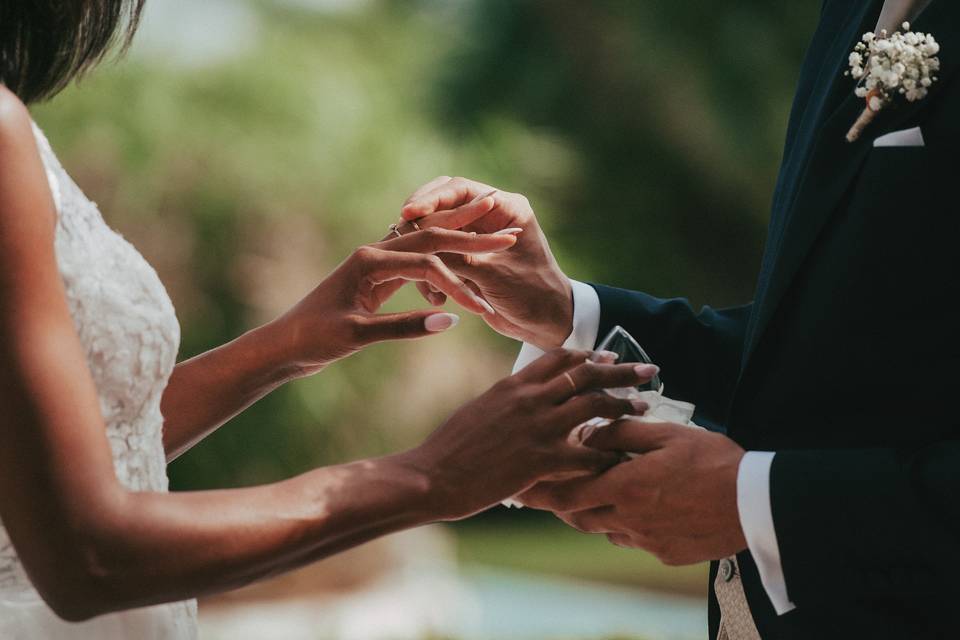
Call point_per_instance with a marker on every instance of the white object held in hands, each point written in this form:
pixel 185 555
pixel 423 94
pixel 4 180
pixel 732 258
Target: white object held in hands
pixel 662 408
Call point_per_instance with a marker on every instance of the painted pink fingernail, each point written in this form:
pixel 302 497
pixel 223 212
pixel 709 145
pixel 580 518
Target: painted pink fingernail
pixel 646 370
pixel 607 356
pixel 486 305
pixel 512 231
pixel 441 322
pixel 640 406
pixel 486 195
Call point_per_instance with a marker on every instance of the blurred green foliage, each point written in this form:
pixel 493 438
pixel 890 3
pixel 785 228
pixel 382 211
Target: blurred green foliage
pixel 675 113
pixel 246 181
pixel 646 134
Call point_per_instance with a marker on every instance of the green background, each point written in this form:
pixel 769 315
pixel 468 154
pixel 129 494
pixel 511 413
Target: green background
pixel 646 134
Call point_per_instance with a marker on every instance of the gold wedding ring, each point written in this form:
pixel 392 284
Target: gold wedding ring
pixel 395 227
pixel 573 385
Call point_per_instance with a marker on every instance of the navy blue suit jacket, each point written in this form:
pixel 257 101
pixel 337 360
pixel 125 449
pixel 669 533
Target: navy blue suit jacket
pixel 848 359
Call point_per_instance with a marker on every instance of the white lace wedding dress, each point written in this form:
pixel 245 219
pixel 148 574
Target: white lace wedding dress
pixel 130 332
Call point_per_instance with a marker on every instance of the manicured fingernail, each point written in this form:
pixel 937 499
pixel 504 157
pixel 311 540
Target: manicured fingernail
pixel 512 231
pixel 440 322
pixel 486 305
pixel 640 406
pixel 587 431
pixel 486 195
pixel 646 370
pixel 607 356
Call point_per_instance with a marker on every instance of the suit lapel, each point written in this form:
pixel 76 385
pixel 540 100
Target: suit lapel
pixel 834 164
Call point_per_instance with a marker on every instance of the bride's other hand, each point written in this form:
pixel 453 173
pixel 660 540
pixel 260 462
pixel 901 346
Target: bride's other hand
pixel 339 316
pixel 521 431
pixel 531 294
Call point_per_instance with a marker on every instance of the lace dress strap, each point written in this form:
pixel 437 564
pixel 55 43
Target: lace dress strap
pixel 50 165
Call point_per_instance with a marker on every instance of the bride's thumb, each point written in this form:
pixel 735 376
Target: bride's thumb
pixel 404 326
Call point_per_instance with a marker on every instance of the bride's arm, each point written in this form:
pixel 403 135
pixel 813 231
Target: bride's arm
pixel 207 390
pixel 90 546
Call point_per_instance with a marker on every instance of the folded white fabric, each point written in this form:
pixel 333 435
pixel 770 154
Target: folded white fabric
pixel 905 138
pixel 662 409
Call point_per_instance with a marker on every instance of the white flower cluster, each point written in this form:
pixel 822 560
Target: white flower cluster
pixel 903 63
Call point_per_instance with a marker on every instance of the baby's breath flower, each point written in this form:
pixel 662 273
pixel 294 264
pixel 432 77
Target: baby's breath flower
pixel 885 66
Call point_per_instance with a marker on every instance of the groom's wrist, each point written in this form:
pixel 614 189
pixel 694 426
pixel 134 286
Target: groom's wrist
pixel 558 326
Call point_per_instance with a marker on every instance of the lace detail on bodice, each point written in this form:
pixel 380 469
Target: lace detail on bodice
pixel 129 330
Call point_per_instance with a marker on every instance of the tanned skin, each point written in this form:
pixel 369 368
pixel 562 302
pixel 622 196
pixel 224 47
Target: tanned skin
pixel 678 500
pixel 90 546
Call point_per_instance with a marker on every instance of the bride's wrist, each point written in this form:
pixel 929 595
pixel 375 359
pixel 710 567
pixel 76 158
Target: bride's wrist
pixel 275 342
pixel 415 470
pixel 438 492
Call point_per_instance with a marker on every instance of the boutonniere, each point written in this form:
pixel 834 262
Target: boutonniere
pixel 902 64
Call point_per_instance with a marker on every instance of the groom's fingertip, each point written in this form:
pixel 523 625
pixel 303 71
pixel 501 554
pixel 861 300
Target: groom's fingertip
pixel 640 407
pixel 412 211
pixel 499 243
pixel 483 202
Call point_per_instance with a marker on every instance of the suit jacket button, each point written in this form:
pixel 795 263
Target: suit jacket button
pixel 726 570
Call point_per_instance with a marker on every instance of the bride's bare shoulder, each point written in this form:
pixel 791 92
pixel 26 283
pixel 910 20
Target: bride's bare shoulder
pixel 24 189
pixel 27 210
pixel 15 123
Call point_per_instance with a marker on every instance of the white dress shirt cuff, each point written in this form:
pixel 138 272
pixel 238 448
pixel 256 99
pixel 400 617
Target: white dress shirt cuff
pixel 586 325
pixel 756 519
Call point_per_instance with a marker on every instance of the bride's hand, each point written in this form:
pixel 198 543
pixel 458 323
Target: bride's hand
pixel 339 317
pixel 521 431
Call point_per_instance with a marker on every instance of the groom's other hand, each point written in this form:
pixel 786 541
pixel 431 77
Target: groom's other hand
pixel 531 295
pixel 677 499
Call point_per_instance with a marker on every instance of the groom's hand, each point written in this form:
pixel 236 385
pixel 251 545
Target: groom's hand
pixel 531 295
pixel 677 499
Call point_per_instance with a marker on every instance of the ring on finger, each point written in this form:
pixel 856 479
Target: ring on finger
pixel 395 229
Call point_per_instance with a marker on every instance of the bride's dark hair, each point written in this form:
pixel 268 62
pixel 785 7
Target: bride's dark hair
pixel 44 44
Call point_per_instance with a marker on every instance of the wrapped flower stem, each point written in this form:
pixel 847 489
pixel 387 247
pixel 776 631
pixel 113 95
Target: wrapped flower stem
pixel 886 67
pixel 874 104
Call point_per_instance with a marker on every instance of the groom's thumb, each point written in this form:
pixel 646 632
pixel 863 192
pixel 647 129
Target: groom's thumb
pixel 403 326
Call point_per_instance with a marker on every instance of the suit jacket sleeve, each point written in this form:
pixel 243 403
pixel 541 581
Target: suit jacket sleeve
pixel 699 354
pixel 877 523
